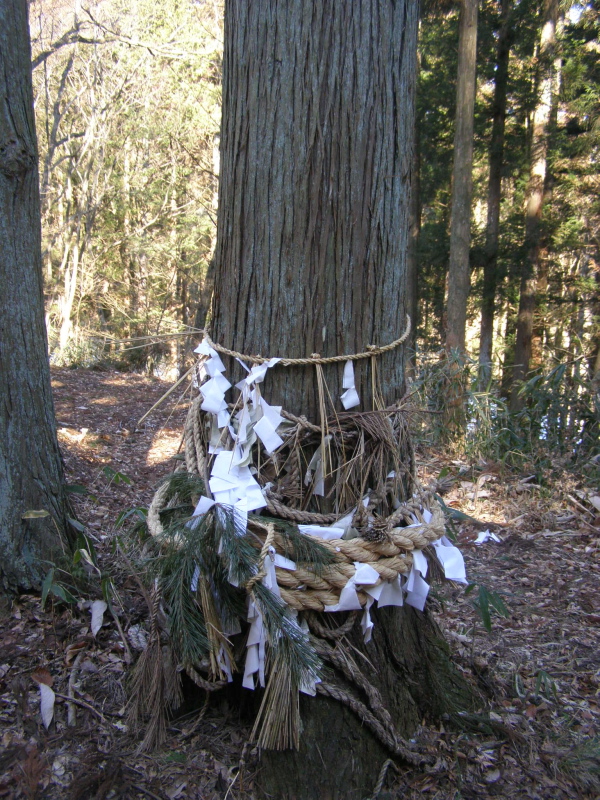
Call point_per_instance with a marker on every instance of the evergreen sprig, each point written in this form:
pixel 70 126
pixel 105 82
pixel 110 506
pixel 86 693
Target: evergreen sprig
pixel 286 638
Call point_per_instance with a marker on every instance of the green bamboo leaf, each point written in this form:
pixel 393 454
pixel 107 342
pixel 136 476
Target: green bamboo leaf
pixel 484 608
pixel 48 580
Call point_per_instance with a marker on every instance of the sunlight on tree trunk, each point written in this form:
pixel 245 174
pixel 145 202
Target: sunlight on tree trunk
pixel 535 200
pixel 459 273
pixel 492 231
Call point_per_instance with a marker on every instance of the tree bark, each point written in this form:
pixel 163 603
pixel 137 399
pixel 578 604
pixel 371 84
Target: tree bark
pixel 30 462
pixel 311 256
pixel 535 200
pixel 490 266
pixel 412 270
pixel 314 204
pixel 459 271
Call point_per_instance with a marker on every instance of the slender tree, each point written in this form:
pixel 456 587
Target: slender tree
pixel 535 197
pixel 311 255
pixel 459 271
pixel 31 476
pixel 496 160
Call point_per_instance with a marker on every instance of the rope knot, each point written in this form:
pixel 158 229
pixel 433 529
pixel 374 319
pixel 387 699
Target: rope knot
pixel 315 355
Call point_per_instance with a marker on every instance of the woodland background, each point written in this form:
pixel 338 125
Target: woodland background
pixel 128 113
pixel 127 98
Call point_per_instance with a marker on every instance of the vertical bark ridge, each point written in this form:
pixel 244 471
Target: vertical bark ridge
pixel 319 109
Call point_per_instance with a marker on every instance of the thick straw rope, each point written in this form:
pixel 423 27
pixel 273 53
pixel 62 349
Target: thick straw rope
pixel 372 350
pixel 301 588
pixel 304 590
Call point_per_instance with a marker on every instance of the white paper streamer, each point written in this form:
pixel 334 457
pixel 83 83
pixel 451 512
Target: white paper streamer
pixel 322 532
pixel 350 397
pixel 232 483
pixel 316 465
pixel 417 589
pixel 451 559
pixel 366 622
pixel 255 655
pixel 486 536
pixel 364 575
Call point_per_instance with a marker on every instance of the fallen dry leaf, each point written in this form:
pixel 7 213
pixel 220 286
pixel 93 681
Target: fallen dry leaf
pixel 42 676
pixel 47 698
pixel 98 609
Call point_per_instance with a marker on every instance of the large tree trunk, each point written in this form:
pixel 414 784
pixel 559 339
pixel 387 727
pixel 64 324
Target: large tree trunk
pixel 412 266
pixel 314 189
pixel 490 266
pixel 459 272
pixel 311 255
pixel 535 200
pixel 30 463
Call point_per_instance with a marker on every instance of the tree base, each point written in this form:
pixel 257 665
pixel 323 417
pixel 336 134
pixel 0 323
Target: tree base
pixel 339 758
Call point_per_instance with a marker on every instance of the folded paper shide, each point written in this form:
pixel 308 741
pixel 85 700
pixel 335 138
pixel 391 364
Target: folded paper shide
pixel 259 529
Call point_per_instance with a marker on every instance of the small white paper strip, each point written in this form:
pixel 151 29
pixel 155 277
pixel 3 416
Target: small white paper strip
pixel 256 638
pixel 485 536
pixel 284 563
pixel 321 531
pixel 225 664
pixel 272 413
pixel 203 505
pixel 213 394
pixel 316 464
pixel 366 622
pixel 350 397
pixel 214 366
pixel 420 562
pixel 267 434
pixel 257 373
pixel 392 593
pixel 364 575
pixel 255 655
pixel 204 349
pixel 417 590
pixel 451 559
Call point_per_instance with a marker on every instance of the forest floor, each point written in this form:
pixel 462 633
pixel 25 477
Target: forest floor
pixel 538 668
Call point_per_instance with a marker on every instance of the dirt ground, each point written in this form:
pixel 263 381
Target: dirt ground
pixel 538 668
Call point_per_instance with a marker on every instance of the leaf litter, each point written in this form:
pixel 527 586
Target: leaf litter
pixel 538 735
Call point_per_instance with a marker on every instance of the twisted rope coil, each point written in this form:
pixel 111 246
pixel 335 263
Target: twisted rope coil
pixel 302 588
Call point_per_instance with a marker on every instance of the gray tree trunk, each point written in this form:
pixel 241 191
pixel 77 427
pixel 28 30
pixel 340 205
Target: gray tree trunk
pixel 311 256
pixel 492 230
pixel 30 463
pixel 459 272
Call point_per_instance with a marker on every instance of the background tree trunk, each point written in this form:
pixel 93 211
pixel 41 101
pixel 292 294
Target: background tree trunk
pixel 459 272
pixel 535 199
pixel 492 230
pixel 30 463
pixel 311 256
